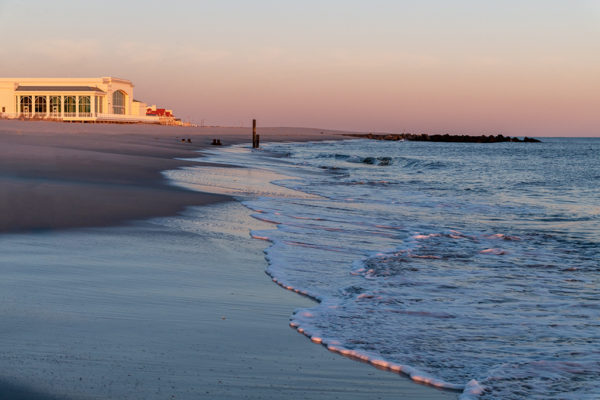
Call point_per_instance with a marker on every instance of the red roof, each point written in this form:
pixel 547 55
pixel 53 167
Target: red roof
pixel 160 112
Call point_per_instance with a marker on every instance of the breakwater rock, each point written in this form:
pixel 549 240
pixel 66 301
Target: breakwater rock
pixel 444 138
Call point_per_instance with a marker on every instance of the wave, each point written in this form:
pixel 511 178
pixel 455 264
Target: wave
pixel 468 292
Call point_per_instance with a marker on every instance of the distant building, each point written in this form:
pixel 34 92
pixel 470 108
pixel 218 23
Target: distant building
pixel 104 99
pixel 165 116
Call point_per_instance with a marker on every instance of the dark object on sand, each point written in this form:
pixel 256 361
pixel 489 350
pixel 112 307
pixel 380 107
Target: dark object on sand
pixel 182 140
pixel 189 140
pixel 216 142
pixel 446 138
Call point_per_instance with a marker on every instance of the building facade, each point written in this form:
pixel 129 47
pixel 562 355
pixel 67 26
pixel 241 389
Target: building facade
pixel 104 99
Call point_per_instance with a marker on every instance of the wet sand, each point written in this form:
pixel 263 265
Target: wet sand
pixel 57 175
pixel 171 307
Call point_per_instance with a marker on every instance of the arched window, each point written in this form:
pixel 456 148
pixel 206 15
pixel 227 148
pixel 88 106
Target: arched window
pixel 84 105
pixel 40 104
pixel 55 105
pixel 70 106
pixel 26 105
pixel 118 102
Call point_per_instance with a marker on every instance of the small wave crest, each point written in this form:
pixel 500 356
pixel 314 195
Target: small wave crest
pixel 469 290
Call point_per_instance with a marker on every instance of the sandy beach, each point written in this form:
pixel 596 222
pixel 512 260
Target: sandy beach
pixel 117 284
pixel 57 175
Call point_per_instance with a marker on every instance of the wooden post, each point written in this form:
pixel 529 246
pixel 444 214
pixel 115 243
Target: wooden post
pixel 254 143
pixel 257 141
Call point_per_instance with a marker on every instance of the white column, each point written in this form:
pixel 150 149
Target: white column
pixel 47 106
pixel 32 105
pixel 76 106
pixel 62 107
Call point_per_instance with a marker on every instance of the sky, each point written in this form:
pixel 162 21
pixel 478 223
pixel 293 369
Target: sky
pixel 520 68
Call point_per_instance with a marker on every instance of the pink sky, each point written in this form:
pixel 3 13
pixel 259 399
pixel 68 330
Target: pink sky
pixel 517 68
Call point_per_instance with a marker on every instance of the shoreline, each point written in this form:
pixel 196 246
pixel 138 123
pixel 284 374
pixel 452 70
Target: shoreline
pixel 257 183
pixel 275 357
pixel 164 308
pixel 59 176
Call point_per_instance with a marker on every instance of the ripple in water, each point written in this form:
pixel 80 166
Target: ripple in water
pixel 472 267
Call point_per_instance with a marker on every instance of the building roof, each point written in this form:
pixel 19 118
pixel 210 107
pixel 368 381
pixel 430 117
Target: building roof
pixel 58 89
pixel 160 112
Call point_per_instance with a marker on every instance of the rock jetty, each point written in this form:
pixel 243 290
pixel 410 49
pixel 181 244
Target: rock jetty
pixel 444 138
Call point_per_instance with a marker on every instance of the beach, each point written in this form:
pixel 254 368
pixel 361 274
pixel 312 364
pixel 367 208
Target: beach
pixel 57 175
pixel 117 284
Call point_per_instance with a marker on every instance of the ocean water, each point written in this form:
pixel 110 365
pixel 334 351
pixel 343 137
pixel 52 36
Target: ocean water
pixel 472 267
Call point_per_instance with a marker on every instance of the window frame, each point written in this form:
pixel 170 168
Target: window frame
pixel 119 102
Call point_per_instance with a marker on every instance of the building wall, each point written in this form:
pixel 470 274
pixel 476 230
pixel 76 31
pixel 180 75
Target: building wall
pixel 139 108
pixel 111 85
pixel 107 84
pixel 7 98
pixel 134 111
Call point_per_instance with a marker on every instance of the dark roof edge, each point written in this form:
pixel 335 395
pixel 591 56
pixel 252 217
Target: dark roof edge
pixel 58 89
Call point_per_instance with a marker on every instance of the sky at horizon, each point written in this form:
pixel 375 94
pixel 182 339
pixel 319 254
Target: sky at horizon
pixel 523 68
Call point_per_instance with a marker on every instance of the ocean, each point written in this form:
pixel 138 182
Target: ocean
pixel 471 267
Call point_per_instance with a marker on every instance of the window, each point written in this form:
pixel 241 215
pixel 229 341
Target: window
pixel 40 104
pixel 55 104
pixel 3 109
pixel 70 105
pixel 118 102
pixel 84 105
pixel 26 104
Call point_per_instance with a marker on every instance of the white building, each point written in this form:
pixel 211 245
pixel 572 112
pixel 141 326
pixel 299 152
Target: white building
pixel 105 99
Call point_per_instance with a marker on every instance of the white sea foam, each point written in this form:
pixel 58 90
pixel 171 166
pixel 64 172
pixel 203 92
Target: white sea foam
pixel 416 277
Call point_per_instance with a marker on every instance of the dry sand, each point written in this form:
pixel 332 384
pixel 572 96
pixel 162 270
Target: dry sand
pixel 173 307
